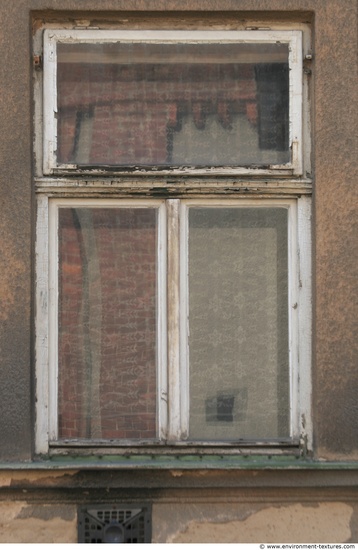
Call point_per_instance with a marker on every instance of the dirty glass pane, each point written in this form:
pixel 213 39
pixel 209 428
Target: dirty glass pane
pixel 238 324
pixel 151 104
pixel 107 323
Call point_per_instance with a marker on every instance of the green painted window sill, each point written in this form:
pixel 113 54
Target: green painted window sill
pixel 184 462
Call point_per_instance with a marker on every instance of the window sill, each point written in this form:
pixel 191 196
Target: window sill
pixel 185 462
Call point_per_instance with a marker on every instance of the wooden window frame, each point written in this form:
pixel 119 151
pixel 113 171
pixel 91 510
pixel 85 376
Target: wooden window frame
pixel 66 185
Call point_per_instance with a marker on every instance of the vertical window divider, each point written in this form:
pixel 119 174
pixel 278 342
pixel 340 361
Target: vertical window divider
pixel 293 261
pixel 184 319
pixel 53 319
pixel 304 238
pixel 173 322
pixel 162 350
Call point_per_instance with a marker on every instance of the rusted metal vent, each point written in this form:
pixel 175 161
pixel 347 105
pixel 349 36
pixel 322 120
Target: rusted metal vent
pixel 114 523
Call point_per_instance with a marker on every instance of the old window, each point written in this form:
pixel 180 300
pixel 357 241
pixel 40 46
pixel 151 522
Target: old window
pixel 171 318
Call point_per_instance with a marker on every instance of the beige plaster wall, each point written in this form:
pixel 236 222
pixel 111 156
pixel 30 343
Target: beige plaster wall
pixel 324 522
pixel 205 506
pixel 23 523
pixel 191 523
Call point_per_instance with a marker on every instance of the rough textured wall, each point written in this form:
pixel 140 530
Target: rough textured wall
pixel 205 506
pixel 335 231
pixel 335 199
pixel 228 523
pixel 258 510
pixel 15 243
pixel 192 523
pixel 26 523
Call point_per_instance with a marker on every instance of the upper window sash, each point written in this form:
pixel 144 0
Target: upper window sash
pixel 63 48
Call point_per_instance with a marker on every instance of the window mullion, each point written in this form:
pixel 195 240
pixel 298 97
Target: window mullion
pixel 174 428
pixel 53 321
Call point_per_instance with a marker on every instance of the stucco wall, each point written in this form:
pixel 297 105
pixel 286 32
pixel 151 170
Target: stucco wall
pixel 335 200
pixel 201 507
pixel 259 512
pixel 192 523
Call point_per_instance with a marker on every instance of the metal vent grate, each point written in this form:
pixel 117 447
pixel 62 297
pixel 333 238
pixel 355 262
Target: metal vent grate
pixel 115 523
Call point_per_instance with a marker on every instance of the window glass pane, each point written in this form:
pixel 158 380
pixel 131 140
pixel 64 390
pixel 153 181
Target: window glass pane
pixel 178 104
pixel 238 323
pixel 107 322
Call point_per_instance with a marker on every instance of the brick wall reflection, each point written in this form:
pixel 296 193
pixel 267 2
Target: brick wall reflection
pixel 107 323
pixel 135 110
